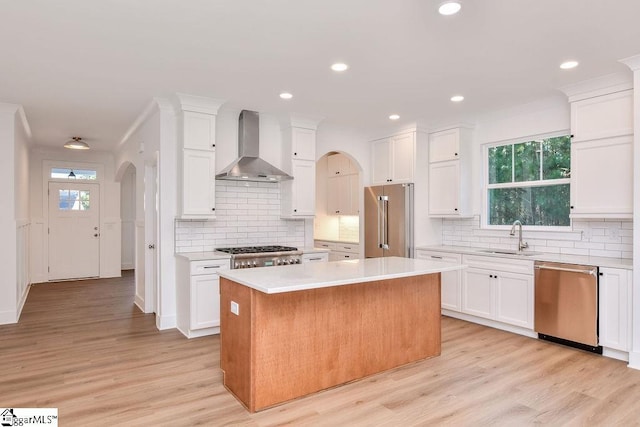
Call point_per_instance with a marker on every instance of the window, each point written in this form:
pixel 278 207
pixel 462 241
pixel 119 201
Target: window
pixel 68 173
pixel 529 181
pixel 74 200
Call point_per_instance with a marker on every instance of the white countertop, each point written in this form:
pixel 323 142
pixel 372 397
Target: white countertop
pixel 288 278
pixel 348 242
pixel 538 256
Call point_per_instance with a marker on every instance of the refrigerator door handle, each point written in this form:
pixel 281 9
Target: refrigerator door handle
pixel 385 222
pixel 380 207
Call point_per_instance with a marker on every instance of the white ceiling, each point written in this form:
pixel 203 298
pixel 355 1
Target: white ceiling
pixel 89 68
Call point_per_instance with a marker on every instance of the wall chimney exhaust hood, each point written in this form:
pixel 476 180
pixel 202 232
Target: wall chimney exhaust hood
pixel 249 166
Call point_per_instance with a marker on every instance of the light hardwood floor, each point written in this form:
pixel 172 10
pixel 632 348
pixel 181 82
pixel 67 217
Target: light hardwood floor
pixel 84 348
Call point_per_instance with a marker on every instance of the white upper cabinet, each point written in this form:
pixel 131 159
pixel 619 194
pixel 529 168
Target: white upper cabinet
pixel 444 145
pixel 298 196
pixel 197 138
pixel 338 164
pixel 393 159
pixel 602 116
pixel 450 173
pixel 602 178
pixel 342 186
pixel 602 156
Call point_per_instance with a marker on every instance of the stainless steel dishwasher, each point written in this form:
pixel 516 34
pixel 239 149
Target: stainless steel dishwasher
pixel 566 304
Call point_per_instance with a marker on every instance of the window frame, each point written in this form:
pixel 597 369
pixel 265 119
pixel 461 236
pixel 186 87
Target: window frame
pixel 484 223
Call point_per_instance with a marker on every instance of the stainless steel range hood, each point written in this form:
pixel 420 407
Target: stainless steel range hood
pixel 249 166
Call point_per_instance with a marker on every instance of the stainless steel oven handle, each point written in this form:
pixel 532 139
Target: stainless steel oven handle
pixel 591 271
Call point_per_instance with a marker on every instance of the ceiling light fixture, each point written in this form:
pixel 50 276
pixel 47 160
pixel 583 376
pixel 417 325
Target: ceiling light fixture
pixel 394 117
pixel 286 95
pixel 449 8
pixel 567 65
pixel 76 143
pixel 457 98
pixel 339 67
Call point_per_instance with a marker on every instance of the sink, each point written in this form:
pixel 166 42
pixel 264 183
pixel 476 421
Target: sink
pixel 507 252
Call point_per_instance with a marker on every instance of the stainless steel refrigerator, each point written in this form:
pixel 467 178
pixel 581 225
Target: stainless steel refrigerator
pixel 388 221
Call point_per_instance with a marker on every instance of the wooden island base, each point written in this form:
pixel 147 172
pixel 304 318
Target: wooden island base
pixel 286 345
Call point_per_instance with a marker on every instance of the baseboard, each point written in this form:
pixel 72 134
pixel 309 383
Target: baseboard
pixel 139 302
pixel 23 300
pixel 200 332
pixel 110 274
pixel 634 360
pixel 491 323
pixel 165 322
pixel 8 317
pixel 615 354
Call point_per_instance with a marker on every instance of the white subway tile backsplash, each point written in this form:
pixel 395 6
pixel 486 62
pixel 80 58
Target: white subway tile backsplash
pixel 247 213
pixel 605 238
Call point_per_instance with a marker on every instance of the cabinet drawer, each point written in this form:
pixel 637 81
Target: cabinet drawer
pixel 324 245
pixel 499 264
pixel 315 257
pixel 439 256
pixel 339 255
pixel 346 247
pixel 209 266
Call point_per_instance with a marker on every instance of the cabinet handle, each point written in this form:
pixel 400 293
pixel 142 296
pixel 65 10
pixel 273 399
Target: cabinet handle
pixel 295 210
pixel 600 274
pixel 455 154
pixel 213 209
pixel 338 173
pixel 315 259
pixel 346 256
pixel 571 207
pixel 337 211
pixel 213 145
pixel 455 209
pixel 436 257
pixel 295 154
pixel 211 266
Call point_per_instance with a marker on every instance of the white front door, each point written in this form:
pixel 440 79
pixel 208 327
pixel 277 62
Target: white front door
pixel 74 230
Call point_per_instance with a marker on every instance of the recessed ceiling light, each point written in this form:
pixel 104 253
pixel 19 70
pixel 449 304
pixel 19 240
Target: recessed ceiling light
pixel 286 95
pixel 339 66
pixel 457 98
pixel 567 65
pixel 394 117
pixel 449 8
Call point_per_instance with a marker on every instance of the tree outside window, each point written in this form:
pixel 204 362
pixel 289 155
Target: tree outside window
pixel 529 181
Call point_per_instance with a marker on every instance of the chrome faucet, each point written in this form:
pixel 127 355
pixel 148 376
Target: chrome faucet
pixel 521 245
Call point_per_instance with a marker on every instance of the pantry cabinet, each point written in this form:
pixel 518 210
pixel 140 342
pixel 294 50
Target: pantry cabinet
pixel 198 295
pixel 614 317
pixel 450 173
pixel 297 196
pixel 393 159
pixel 501 291
pixel 197 156
pixel 602 155
pixel 450 281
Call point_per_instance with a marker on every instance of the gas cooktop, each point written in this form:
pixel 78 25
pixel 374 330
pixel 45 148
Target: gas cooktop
pixel 256 249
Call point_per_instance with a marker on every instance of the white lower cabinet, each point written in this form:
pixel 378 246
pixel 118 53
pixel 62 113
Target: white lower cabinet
pixel 614 317
pixel 450 281
pixel 339 251
pixel 198 296
pixel 498 289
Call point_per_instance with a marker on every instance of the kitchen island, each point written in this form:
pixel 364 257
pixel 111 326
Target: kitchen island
pixel 294 330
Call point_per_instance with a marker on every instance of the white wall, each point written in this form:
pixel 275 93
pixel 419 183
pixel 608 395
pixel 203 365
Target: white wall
pixel 128 217
pixel 14 218
pixel 109 208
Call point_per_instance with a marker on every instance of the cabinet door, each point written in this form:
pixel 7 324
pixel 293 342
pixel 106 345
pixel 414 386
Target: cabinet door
pixel 450 281
pixel 380 172
pixel 338 164
pixel 198 189
pixel 338 195
pixel 602 116
pixel 477 293
pixel 444 187
pixel 199 130
pixel 303 144
pixel 444 145
pixel 205 301
pixel 303 188
pixel 402 158
pixel 514 299
pixel 602 178
pixel 614 317
pixel 341 256
pixel 354 195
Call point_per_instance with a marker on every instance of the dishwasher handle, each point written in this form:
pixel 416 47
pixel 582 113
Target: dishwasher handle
pixel 591 271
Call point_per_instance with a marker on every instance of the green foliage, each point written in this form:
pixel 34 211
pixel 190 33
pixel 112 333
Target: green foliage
pixel 543 203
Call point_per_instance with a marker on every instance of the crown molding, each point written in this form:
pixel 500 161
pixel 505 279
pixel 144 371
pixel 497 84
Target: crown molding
pixel 17 109
pixel 301 121
pixel 199 104
pixel 603 85
pixel 632 62
pixel 161 104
